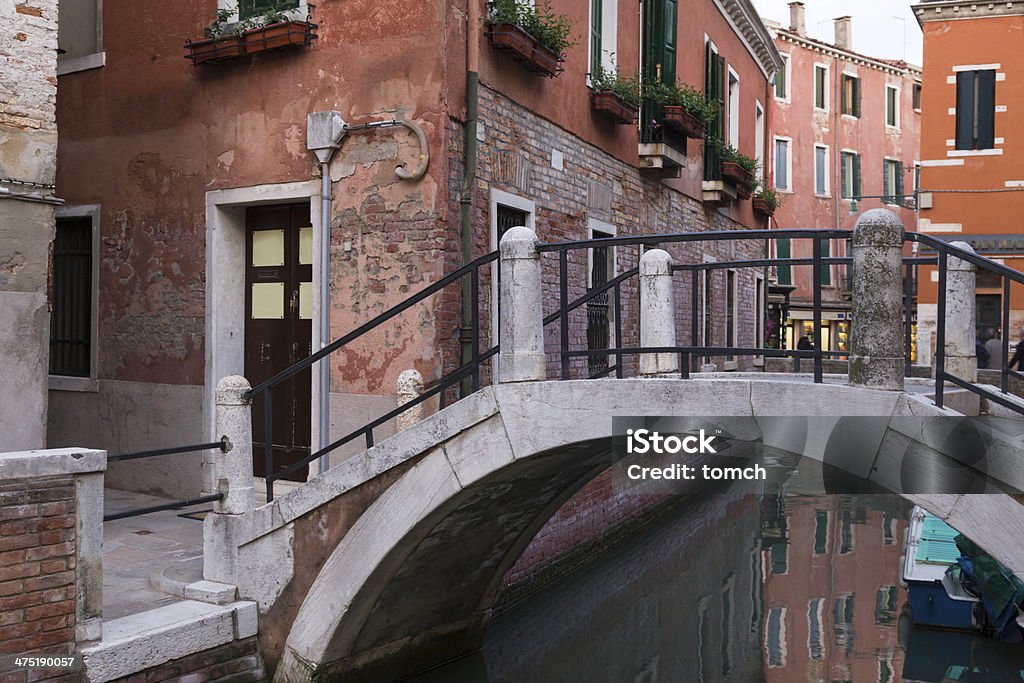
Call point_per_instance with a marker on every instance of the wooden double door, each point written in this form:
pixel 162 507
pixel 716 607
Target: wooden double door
pixel 278 328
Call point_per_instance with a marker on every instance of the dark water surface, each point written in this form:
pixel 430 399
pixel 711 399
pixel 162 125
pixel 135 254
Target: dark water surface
pixel 738 587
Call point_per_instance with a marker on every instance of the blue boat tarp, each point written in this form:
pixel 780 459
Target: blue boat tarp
pixel 1001 592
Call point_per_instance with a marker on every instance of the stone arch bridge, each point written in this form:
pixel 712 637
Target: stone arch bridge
pixel 391 562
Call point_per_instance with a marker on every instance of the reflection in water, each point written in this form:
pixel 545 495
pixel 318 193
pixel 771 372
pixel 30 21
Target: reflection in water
pixel 737 587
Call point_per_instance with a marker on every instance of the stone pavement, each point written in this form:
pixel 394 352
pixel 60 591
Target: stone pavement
pixel 140 553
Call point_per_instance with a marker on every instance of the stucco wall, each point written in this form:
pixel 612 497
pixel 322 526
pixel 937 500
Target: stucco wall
pixel 28 148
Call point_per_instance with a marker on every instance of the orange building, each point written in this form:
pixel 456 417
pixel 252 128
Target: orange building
pixel 972 168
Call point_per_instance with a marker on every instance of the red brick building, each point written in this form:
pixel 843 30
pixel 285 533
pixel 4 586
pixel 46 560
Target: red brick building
pixel 195 180
pixel 845 135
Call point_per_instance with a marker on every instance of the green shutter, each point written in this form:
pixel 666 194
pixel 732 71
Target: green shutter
pixel 782 251
pixel 826 270
pixel 844 175
pixel 845 104
pixel 886 181
pixel 899 182
pixel 986 84
pixel 595 35
pixel 856 97
pixel 856 176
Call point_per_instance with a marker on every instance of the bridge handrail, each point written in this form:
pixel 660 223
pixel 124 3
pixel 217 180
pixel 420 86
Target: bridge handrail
pixel 691 352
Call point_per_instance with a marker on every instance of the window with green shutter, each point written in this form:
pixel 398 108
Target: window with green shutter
pixel 850 95
pixel 596 10
pixel 820 87
pixel 850 171
pixel 714 90
pixel 892 181
pixel 976 109
pixel 660 30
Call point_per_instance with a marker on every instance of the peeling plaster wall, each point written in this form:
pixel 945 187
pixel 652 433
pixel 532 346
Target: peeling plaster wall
pixel 28 148
pixel 148 135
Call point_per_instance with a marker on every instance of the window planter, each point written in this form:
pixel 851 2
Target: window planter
pixel 279 35
pixel 684 122
pixel 613 106
pixel 283 34
pixel 743 181
pixel 215 50
pixel 763 207
pixel 525 49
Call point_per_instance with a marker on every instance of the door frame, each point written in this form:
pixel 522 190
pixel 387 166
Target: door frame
pixel 225 286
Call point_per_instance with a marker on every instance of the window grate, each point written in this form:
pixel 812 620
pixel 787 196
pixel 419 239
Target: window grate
pixel 71 314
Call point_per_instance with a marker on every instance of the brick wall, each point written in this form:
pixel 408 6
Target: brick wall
pixel 237 662
pixel 28 66
pixel 515 156
pixel 37 569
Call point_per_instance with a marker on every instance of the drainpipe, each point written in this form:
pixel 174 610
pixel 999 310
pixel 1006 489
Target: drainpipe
pixel 324 132
pixel 469 179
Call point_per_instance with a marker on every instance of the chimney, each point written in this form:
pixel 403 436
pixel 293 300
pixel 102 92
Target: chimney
pixel 797 19
pixel 844 33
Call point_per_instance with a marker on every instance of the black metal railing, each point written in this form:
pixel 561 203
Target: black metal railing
pixel 223 446
pixel 469 370
pixel 1007 277
pixel 691 352
pixel 607 299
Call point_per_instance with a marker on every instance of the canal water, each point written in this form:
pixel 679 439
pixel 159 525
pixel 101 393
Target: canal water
pixel 737 587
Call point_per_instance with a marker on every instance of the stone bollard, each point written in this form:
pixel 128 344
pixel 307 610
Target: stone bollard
pixel 961 356
pixel 232 471
pixel 657 314
pixel 410 386
pixel 521 358
pixel 232 476
pixel 876 334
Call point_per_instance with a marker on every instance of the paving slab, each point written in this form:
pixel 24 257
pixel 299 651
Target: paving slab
pixel 136 547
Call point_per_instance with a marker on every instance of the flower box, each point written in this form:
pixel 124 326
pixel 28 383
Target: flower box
pixel 282 34
pixel 613 106
pixel 683 121
pixel 215 50
pixel 279 35
pixel 739 177
pixel 763 206
pixel 525 49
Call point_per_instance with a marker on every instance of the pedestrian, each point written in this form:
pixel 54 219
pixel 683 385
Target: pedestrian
pixel 804 344
pixel 994 346
pixel 981 352
pixel 1018 355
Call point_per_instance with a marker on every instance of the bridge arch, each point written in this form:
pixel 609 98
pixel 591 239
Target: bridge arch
pixel 418 573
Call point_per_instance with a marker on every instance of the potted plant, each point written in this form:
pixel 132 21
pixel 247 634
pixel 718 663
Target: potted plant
pixel 532 34
pixel 615 95
pixel 277 31
pixel 685 107
pixel 219 45
pixel 227 40
pixel 766 201
pixel 740 170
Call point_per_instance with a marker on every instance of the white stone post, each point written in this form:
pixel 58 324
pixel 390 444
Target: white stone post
pixel 657 314
pixel 521 358
pixel 410 386
pixel 232 471
pixel 232 476
pixel 876 332
pixel 961 356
